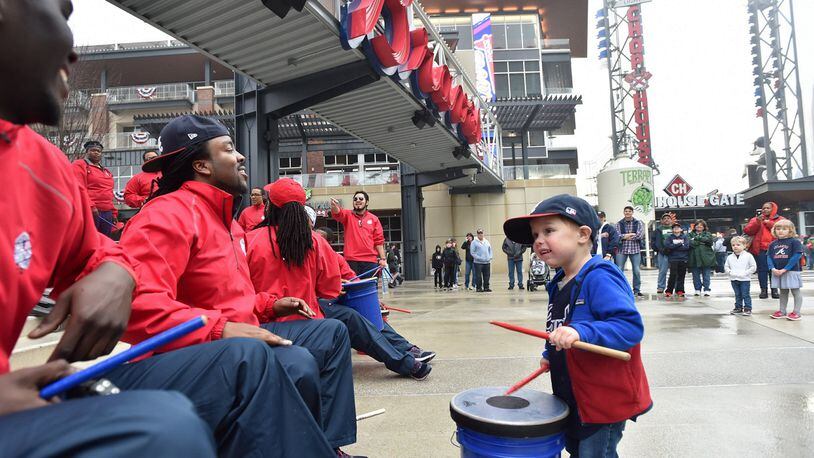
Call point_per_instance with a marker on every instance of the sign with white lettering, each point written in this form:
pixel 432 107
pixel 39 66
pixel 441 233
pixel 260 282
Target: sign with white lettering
pixel 717 200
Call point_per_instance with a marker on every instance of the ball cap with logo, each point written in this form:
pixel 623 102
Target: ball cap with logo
pixel 285 190
pixel 577 210
pixel 181 135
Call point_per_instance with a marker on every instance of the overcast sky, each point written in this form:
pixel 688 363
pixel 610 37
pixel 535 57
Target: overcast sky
pixel 701 99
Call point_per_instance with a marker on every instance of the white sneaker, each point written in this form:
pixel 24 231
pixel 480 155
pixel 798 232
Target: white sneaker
pixel 698 293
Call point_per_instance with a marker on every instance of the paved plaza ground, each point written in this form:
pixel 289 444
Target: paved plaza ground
pixel 723 385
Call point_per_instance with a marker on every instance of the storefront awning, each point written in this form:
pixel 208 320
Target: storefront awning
pixel 547 112
pixel 782 192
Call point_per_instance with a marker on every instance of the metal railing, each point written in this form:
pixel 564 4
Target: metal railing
pixel 537 171
pixel 142 94
pixel 330 180
pixel 130 46
pixel 225 88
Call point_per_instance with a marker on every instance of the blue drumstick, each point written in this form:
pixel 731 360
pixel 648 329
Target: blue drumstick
pixel 363 274
pixel 65 384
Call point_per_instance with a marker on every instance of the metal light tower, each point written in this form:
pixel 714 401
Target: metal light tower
pixel 621 42
pixel 778 95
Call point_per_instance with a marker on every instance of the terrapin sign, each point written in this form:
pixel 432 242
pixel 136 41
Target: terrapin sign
pixel 403 53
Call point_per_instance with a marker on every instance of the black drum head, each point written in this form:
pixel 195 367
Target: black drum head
pixel 507 402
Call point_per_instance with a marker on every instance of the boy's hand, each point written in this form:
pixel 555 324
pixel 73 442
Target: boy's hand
pixel 563 337
pixel 778 272
pixel 544 364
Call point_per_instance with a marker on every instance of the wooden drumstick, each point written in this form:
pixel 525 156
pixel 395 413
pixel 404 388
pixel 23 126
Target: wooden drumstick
pixel 604 351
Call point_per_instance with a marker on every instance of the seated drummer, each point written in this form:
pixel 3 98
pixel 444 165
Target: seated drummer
pixel 192 262
pixel 397 340
pixel 590 301
pixel 286 258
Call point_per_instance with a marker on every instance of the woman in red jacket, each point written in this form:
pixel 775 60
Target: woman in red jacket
pixel 97 181
pixel 760 229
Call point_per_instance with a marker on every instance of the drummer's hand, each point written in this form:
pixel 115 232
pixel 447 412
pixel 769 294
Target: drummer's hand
pixel 231 330
pixel 335 208
pixel 544 364
pixel 563 337
pixel 290 305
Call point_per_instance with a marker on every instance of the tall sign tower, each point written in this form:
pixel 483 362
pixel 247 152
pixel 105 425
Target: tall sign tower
pixel 778 95
pixel 621 42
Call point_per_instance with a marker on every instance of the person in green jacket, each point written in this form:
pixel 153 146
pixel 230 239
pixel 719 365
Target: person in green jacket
pixel 702 256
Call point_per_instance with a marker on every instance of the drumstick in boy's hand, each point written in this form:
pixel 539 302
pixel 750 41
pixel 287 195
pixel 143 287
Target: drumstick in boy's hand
pixel 540 371
pixel 609 352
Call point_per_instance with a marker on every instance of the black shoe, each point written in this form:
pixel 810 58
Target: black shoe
pixel 487 290
pixel 639 294
pixel 421 371
pixel 511 288
pixel 425 356
pixel 764 294
pixel 775 293
pixel 747 312
pixel 520 287
pixel 478 290
pixel 659 291
pixel 736 311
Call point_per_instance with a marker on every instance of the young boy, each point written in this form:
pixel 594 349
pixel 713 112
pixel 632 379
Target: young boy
pixel 740 265
pixel 677 248
pixel 590 301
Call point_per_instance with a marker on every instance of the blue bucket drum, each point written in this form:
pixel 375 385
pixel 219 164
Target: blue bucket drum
pixel 527 423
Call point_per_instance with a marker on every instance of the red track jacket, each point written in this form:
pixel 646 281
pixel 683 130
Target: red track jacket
pixel 362 235
pixel 318 277
pixel 47 236
pixel 192 262
pixel 97 181
pixel 344 269
pixel 251 216
pixel 139 187
pixel 762 233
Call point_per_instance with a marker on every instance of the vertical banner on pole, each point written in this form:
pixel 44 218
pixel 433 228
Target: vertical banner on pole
pixel 484 56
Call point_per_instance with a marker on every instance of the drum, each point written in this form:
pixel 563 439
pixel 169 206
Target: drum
pixel 527 423
pixel 363 296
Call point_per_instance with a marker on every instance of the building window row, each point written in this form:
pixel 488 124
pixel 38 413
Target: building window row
pixel 517 78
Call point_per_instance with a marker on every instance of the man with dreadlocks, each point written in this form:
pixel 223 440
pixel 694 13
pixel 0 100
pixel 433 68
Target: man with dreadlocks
pixel 287 259
pixel 191 256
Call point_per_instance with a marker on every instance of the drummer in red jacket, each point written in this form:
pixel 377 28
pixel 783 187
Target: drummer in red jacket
pixel 286 258
pixel 364 236
pixel 590 301
pixel 192 262
pixel 139 188
pixel 255 213
pixel 97 181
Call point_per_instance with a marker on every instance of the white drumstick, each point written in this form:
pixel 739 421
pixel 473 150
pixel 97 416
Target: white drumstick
pixel 369 414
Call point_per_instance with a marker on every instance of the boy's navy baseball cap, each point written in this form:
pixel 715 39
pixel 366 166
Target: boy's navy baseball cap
pixel 181 134
pixel 577 210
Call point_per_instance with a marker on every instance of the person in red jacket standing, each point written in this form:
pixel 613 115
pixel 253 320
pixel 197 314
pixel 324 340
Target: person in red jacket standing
pixel 191 255
pixel 139 188
pixel 760 229
pixel 48 238
pixel 286 258
pixel 254 214
pixel 364 236
pixel 97 181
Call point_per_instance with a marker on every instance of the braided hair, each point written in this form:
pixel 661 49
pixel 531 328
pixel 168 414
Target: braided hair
pixel 293 231
pixel 179 171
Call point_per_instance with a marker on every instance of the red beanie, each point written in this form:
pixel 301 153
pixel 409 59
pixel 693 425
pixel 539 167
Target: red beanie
pixel 285 190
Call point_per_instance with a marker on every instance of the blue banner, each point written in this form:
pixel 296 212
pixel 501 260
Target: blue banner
pixel 484 56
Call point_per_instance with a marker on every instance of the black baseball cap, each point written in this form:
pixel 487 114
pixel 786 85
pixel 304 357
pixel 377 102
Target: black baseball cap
pixel 181 134
pixel 577 210
pixel 92 144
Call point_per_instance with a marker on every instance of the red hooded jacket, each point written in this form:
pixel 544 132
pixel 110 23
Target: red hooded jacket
pixel 192 262
pixel 362 235
pixel 761 231
pixel 318 277
pixel 97 181
pixel 139 187
pixel 47 236
pixel 251 216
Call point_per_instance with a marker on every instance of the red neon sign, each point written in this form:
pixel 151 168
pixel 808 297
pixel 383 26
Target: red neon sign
pixel 638 79
pixel 400 52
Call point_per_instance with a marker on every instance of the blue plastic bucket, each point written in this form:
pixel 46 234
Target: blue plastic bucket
pixel 363 296
pixel 526 424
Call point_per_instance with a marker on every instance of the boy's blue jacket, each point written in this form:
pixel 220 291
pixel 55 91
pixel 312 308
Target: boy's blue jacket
pixel 604 313
pixel 677 252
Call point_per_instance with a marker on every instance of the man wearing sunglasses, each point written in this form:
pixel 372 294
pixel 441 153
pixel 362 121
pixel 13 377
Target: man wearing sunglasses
pixel 364 236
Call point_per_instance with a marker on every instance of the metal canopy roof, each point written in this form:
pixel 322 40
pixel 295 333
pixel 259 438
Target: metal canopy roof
pixel 538 112
pixel 250 39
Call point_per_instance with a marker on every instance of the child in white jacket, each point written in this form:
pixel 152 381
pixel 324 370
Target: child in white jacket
pixel 740 265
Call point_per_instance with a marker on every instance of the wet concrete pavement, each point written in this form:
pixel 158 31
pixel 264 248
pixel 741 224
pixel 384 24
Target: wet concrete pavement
pixel 722 385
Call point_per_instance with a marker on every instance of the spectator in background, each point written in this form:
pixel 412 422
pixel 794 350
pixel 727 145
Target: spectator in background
pixel 677 248
pixel 449 257
pixel 606 243
pixel 458 262
pixel 719 247
pixel 657 242
pixel 809 248
pixel 632 234
pixel 482 255
pixel 470 262
pixel 760 229
pixel 394 265
pixel 514 255
pixel 139 188
pixel 254 214
pixel 437 263
pixel 702 257
pixel 97 181
pixel 728 239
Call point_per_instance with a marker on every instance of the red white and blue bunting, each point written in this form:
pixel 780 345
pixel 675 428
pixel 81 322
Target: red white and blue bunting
pixel 140 137
pixel 146 92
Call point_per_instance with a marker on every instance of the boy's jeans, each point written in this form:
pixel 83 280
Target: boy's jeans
pixel 601 444
pixel 742 297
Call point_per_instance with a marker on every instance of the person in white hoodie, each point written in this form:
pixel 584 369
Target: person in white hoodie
pixel 740 265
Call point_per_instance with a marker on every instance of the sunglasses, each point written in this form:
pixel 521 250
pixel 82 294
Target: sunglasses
pixel 358 199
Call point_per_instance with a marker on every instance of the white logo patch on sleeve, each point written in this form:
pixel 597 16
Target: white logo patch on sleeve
pixel 22 251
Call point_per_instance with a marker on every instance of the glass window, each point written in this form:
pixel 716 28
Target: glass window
pixel 498 36
pixel 529 37
pixel 516 66
pixel 284 162
pixel 353 158
pixel 533 84
pixel 501 66
pixel 536 138
pixel 464 37
pixel 502 85
pixel 330 160
pixel 295 162
pixel 532 66
pixel 514 36
pixel 370 158
pixel 517 85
